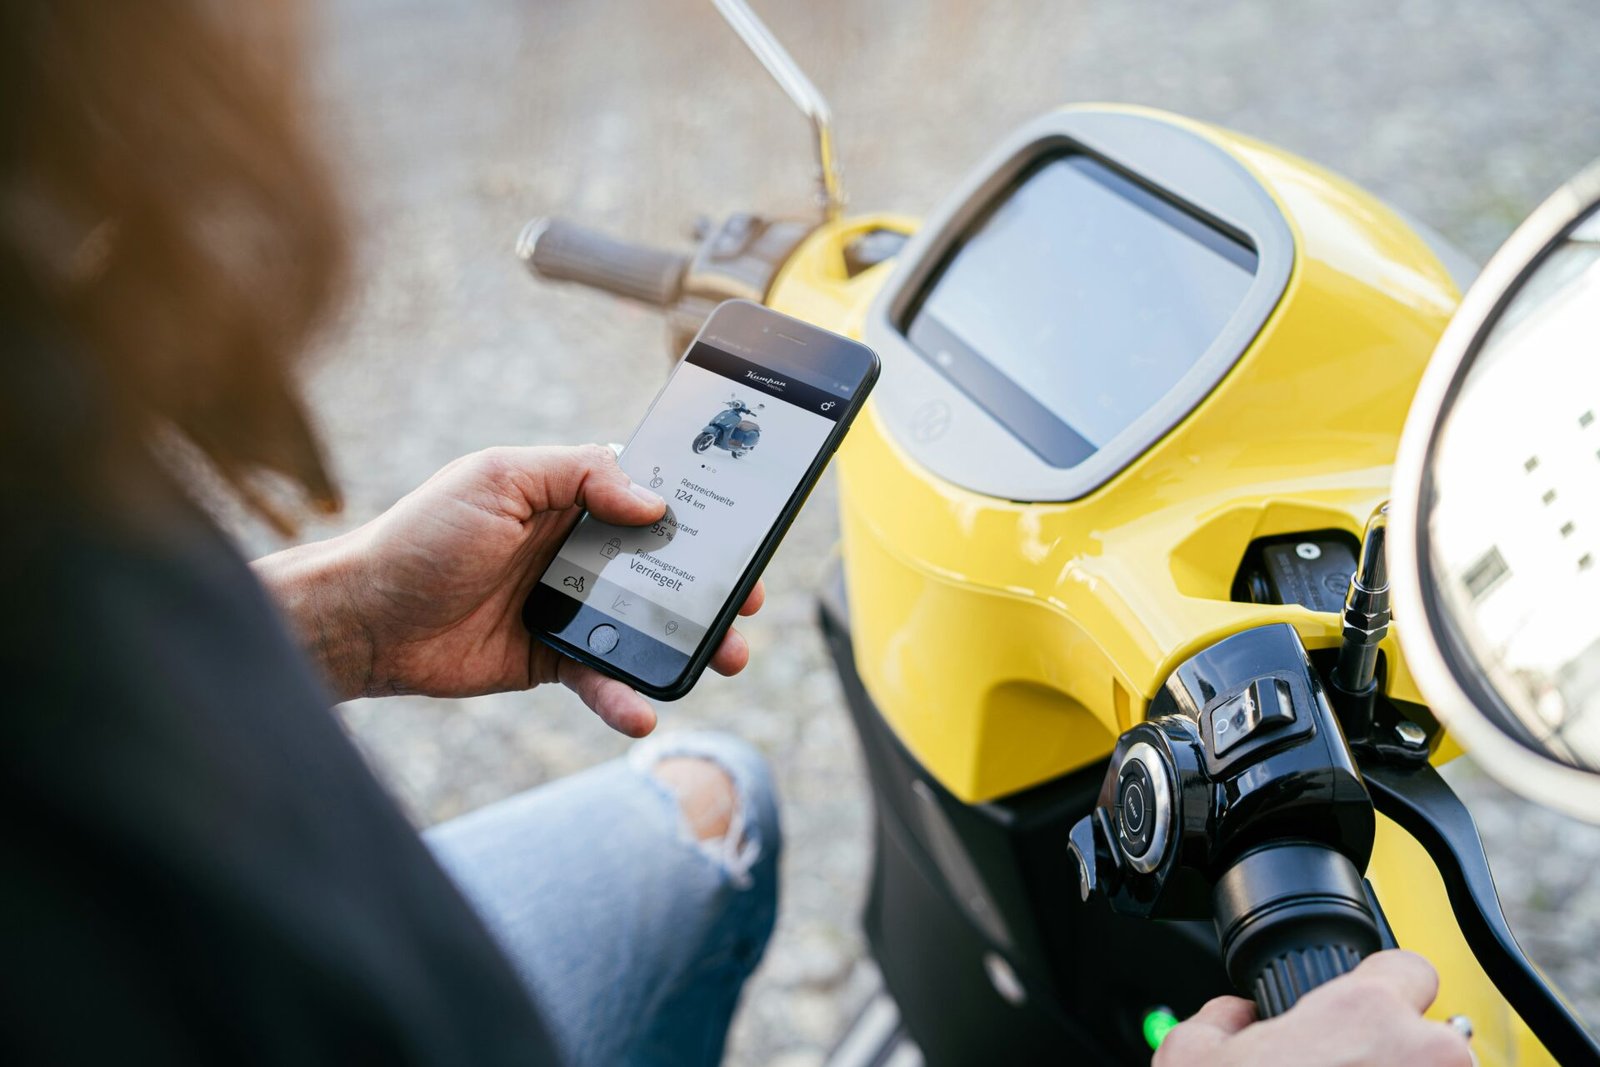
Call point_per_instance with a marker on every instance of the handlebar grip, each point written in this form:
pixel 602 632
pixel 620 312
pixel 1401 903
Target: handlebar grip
pixel 562 251
pixel 1292 916
pixel 1284 980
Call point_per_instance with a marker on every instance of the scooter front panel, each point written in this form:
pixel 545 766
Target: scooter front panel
pixel 983 606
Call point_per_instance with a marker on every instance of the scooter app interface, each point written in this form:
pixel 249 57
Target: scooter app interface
pixel 725 445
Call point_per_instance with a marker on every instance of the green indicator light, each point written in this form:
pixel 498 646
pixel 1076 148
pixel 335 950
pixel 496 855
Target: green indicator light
pixel 1158 1023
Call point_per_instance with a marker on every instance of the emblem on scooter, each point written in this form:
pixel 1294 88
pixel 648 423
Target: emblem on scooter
pixel 734 429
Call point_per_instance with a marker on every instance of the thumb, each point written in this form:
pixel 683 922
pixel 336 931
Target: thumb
pixel 586 476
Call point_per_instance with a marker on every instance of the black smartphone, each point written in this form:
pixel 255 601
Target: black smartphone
pixel 734 442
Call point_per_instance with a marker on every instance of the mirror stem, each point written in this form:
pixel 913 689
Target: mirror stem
pixel 800 89
pixel 1366 623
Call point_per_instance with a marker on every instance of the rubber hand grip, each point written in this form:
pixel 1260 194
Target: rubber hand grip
pixel 1291 916
pixel 561 251
pixel 1283 981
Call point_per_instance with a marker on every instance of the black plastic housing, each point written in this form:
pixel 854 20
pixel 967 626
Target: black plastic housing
pixel 1277 570
pixel 1263 823
pixel 1291 783
pixel 1296 781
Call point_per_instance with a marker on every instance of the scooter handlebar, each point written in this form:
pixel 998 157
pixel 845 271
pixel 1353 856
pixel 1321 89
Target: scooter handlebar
pixel 561 251
pixel 1291 917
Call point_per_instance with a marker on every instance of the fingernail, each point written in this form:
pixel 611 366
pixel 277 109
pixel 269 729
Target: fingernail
pixel 646 495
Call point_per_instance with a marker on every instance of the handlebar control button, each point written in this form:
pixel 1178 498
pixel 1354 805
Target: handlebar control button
pixel 1133 806
pixel 1262 706
pixel 1144 807
pixel 1135 799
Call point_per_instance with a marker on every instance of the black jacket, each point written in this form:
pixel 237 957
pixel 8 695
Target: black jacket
pixel 195 864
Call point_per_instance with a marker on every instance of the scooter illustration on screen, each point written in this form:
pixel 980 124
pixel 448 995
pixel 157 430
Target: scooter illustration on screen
pixel 731 429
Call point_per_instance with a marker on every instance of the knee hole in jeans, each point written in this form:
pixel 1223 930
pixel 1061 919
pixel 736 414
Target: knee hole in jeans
pixel 706 794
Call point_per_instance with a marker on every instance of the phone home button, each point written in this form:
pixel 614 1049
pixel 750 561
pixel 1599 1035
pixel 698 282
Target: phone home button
pixel 603 639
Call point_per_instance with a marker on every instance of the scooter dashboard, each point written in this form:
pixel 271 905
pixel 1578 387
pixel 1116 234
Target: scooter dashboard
pixel 1090 285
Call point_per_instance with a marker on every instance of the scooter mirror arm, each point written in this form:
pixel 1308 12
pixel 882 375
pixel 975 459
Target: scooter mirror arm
pixel 1425 806
pixel 800 89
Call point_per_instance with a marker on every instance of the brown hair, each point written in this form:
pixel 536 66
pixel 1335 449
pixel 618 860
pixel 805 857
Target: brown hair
pixel 169 240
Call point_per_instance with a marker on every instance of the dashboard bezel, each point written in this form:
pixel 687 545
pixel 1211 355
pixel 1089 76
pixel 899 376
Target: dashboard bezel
pixel 948 431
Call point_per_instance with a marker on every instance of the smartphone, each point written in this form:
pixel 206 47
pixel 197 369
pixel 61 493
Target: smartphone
pixel 734 443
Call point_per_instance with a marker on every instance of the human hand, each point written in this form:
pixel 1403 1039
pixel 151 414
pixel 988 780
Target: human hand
pixel 427 598
pixel 1369 1017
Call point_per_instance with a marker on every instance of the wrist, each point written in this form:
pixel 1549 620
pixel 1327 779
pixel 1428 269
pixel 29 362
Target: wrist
pixel 316 586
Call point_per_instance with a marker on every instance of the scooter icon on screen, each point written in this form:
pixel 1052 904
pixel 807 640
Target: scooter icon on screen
pixel 730 430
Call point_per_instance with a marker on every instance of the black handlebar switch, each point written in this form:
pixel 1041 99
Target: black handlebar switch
pixel 1263 705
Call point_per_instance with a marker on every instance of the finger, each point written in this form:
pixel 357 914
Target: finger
pixel 733 655
pixel 1225 1015
pixel 587 476
pixel 753 602
pixel 1219 1020
pixel 1411 979
pixel 618 706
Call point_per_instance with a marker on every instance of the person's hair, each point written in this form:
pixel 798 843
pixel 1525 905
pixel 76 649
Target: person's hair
pixel 169 241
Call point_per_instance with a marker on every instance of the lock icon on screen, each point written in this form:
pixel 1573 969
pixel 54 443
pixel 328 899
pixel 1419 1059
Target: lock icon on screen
pixel 611 548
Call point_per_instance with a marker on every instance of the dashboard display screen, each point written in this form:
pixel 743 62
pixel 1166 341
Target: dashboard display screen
pixel 1077 304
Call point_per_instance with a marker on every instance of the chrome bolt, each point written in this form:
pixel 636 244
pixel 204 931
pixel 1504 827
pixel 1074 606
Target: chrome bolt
pixel 1411 735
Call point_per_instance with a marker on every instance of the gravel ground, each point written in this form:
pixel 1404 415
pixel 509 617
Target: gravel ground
pixel 457 121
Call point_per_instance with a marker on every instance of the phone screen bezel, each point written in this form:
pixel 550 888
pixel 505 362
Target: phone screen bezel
pixel 752 332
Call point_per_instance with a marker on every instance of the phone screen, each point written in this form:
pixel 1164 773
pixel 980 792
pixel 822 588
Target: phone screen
pixel 731 443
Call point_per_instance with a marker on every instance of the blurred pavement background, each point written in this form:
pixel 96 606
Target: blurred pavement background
pixel 455 122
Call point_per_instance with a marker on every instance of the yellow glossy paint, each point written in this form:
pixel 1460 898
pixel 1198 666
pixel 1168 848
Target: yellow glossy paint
pixel 974 617
pixel 1008 644
pixel 1417 907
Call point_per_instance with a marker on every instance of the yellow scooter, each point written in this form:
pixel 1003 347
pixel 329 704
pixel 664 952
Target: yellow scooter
pixel 1111 606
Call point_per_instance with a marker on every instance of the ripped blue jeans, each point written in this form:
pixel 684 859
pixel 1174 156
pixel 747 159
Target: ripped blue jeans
pixel 633 936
